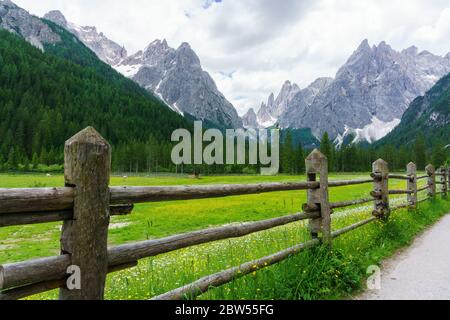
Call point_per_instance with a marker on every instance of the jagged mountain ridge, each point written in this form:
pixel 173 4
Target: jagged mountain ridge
pixel 365 100
pixel 290 99
pixel 174 75
pixel 177 77
pixel 20 22
pixel 428 115
pixel 370 93
pixel 107 50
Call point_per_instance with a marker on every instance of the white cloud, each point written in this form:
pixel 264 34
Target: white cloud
pixel 251 47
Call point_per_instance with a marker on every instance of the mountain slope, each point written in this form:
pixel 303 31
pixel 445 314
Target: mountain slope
pixel 372 90
pixel 177 77
pixel 174 75
pixel 52 90
pixel 20 22
pixel 428 115
pixel 270 112
pixel 107 50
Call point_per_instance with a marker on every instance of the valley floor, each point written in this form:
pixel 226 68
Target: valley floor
pixel 310 275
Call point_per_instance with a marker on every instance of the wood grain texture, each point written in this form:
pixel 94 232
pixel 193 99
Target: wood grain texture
pixel 35 199
pixel 381 189
pixel 317 164
pixel 411 171
pixel 87 166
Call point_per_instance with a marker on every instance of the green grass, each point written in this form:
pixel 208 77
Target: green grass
pixel 316 274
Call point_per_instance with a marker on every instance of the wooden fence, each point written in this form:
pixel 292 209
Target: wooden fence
pixel 86 203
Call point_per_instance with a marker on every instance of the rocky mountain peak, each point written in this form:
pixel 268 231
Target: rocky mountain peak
pixel 250 119
pixel 57 17
pixel 8 4
pixel 19 21
pixel 364 46
pixel 412 51
pixel 157 45
pixel 271 100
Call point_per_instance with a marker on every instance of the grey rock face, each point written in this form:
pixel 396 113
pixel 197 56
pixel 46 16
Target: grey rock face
pixel 177 77
pixel 301 102
pixel 375 86
pixel 107 50
pixel 57 17
pixel 20 22
pixel 250 120
pixel 269 113
pixel 290 101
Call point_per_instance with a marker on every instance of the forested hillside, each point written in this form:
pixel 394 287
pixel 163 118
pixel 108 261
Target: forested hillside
pixel 47 97
pixel 425 125
pixel 428 115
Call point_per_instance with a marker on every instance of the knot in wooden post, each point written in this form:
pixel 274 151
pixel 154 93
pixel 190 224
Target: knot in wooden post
pixel 87 164
pixel 381 189
pixel 431 172
pixel 317 163
pixel 411 172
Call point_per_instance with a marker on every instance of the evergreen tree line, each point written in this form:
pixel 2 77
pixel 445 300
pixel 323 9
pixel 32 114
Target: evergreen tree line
pixel 46 99
pixel 359 157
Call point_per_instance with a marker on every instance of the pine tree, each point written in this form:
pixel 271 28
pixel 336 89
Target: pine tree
pixel 439 155
pixel 420 157
pixel 35 161
pixel 300 159
pixel 326 147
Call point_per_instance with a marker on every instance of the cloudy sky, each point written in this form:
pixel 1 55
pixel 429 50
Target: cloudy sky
pixel 251 47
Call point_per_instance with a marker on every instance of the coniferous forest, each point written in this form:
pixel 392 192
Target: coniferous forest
pixel 45 99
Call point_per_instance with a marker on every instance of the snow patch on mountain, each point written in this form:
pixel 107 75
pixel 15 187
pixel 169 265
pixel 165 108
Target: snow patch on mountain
pixel 376 130
pixel 372 132
pixel 128 71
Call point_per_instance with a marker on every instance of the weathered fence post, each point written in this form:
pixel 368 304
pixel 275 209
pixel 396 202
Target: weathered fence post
pixel 380 170
pixel 448 179
pixel 444 181
pixel 431 180
pixel 411 172
pixel 317 163
pixel 87 162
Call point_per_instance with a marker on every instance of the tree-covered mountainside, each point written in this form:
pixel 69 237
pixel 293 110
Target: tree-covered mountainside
pixel 428 115
pixel 46 97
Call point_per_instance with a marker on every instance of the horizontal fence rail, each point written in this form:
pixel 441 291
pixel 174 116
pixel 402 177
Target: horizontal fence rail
pixel 24 218
pixel 156 194
pixel 36 199
pixel 83 203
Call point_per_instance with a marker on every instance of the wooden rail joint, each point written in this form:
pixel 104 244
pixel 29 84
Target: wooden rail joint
pixel 431 172
pixel 317 163
pixel 380 168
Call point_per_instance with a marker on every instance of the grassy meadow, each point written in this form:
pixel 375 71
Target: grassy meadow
pixel 316 274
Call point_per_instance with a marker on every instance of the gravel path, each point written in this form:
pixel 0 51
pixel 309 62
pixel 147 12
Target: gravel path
pixel 421 272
